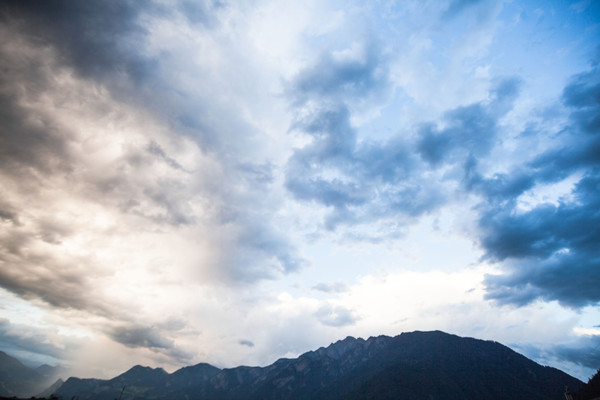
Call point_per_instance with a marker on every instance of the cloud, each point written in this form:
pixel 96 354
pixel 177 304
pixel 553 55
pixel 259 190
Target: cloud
pixel 153 338
pixel 367 182
pixel 140 337
pixel 550 251
pixel 336 316
pixel 585 353
pixel 97 38
pixel 355 75
pixel 111 210
pixel 469 129
pixel 262 251
pixel 246 342
pixel 18 339
pixel 544 252
pixel 201 12
pixel 337 287
pixel 578 356
pixel 149 172
pixel 67 185
pixel 359 181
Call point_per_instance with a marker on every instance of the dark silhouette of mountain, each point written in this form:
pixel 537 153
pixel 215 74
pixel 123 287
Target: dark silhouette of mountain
pixel 417 365
pixel 590 390
pixel 14 376
pixel 140 383
pixel 194 375
pixel 19 380
pixel 142 376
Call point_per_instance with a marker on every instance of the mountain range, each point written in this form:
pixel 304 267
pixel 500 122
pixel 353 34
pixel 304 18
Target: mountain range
pixel 17 379
pixel 418 365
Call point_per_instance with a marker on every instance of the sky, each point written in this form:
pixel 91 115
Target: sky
pixel 233 182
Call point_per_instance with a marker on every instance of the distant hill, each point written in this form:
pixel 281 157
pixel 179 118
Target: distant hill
pixel 417 365
pixel 19 380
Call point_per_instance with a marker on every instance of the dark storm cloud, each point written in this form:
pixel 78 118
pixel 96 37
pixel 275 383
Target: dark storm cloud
pixel 105 41
pixel 580 149
pixel 551 252
pixel 470 130
pixel 582 96
pixel 587 354
pixel 24 141
pixel 40 155
pixel 583 351
pixel 150 337
pixel 99 38
pixel 66 283
pixel 547 228
pixel 135 336
pixel 35 148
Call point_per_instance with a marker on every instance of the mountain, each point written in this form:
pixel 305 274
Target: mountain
pixel 590 390
pixel 50 390
pixel 140 383
pixel 417 365
pixel 19 380
pixel 194 375
pixel 51 373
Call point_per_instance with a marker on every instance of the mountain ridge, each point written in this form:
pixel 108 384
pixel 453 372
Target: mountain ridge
pixel 430 365
pixel 17 379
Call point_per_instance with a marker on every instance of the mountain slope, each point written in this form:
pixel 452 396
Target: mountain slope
pixel 462 368
pixel 19 380
pixel 141 382
pixel 431 364
pixel 50 390
pixel 192 376
pixel 14 376
pixel 417 365
pixel 589 390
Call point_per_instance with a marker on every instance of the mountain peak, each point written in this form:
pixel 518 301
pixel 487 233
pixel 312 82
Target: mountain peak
pixel 142 373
